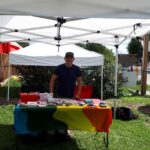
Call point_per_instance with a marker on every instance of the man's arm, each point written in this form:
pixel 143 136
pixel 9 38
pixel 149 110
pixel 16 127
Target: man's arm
pixel 51 84
pixel 79 86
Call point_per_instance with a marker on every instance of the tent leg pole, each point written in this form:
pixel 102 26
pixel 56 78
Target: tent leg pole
pixel 102 68
pixel 8 87
pixel 116 80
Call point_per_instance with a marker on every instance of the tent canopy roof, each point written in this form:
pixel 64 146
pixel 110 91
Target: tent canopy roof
pixel 78 8
pixel 93 30
pixel 40 54
pixel 96 30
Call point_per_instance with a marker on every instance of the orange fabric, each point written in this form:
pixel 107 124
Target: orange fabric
pixel 101 123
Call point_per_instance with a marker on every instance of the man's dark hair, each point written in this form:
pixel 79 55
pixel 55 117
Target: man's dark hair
pixel 69 54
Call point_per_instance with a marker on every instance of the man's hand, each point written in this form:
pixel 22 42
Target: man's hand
pixel 77 97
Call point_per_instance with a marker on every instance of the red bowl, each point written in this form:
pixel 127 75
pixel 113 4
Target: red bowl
pixel 25 97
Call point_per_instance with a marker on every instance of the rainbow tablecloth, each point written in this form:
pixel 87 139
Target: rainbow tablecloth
pixel 36 119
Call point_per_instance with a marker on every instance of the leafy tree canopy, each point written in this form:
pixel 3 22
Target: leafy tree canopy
pixel 135 47
pixel 99 48
pixel 92 75
pixel 23 44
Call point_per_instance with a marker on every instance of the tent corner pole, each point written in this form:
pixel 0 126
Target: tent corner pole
pixel 8 86
pixel 102 72
pixel 116 80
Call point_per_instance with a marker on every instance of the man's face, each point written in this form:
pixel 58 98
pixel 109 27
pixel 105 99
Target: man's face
pixel 69 60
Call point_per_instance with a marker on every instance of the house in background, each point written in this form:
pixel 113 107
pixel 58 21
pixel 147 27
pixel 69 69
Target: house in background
pixel 129 68
pixel 127 60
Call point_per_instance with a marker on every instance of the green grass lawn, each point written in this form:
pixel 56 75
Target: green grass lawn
pixel 137 87
pixel 124 135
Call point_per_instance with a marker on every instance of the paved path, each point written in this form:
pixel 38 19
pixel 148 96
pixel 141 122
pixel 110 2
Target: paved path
pixel 148 78
pixel 147 92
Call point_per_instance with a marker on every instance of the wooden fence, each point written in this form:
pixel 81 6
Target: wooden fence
pixel 4 67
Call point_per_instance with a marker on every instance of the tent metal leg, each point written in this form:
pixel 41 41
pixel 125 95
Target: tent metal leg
pixel 106 139
pixel 8 87
pixel 102 74
pixel 116 80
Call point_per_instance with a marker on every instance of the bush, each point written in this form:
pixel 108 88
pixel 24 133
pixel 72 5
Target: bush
pixel 35 78
pixel 14 92
pixel 95 73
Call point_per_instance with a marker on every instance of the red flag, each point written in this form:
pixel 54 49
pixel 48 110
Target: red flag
pixel 9 47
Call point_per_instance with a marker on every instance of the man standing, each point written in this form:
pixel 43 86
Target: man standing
pixel 67 75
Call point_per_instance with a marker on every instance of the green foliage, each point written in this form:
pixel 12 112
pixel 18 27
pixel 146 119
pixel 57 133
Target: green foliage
pixel 99 48
pixel 35 78
pixel 135 47
pixel 23 44
pixel 14 84
pixel 94 75
pixel 14 92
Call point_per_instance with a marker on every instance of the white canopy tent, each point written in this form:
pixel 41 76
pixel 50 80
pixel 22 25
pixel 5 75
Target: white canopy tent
pixel 63 31
pixel 40 54
pixel 78 8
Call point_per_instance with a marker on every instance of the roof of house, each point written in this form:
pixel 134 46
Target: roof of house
pixel 127 60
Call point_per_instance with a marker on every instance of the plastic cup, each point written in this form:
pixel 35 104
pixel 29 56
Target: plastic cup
pixel 50 96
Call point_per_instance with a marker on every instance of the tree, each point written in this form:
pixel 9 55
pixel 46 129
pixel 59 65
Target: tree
pixel 92 74
pixel 23 44
pixel 35 78
pixel 135 47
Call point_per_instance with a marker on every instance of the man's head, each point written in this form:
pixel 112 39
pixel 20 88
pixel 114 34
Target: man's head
pixel 69 58
pixel 69 54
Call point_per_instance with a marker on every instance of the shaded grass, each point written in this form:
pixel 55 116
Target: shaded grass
pixel 7 134
pixel 15 86
pixel 124 135
pixel 14 92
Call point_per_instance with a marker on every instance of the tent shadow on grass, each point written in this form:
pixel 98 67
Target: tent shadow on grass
pixel 44 142
pixel 7 137
pixel 145 109
pixel 9 140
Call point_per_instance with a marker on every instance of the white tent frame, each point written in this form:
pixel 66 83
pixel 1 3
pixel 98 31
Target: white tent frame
pixel 89 32
pixel 78 9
